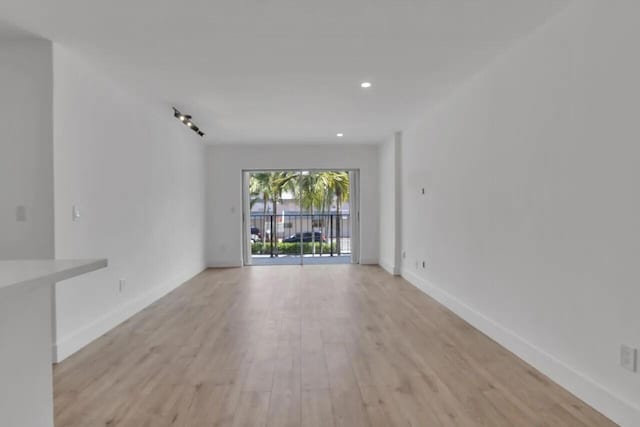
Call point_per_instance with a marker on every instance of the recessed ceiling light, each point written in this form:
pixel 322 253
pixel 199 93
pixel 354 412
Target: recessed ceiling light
pixel 189 124
pixel 340 135
pixel 365 85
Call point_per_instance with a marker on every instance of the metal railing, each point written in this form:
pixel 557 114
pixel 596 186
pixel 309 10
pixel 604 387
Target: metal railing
pixel 319 234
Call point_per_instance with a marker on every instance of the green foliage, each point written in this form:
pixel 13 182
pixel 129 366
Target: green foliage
pixel 292 248
pixel 315 190
pixel 269 186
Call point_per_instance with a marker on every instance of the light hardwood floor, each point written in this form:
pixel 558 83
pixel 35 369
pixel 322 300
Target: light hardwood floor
pixel 304 346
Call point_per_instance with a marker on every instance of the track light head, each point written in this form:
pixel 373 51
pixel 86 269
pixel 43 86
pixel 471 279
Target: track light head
pixel 186 119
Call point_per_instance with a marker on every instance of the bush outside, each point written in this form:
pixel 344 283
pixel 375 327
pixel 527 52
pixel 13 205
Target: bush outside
pixel 258 248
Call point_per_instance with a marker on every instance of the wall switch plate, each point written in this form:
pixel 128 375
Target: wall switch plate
pixel 75 213
pixel 629 358
pixel 423 190
pixel 21 213
pixel 121 285
pixel 424 264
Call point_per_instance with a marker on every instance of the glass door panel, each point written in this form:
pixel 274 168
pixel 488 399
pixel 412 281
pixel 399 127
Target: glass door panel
pixel 299 217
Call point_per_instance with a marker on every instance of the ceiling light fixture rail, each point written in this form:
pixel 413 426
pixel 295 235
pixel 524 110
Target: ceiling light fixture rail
pixel 186 119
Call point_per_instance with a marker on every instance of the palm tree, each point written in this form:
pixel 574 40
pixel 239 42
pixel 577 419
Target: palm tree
pixel 336 184
pixel 259 189
pixel 314 190
pixel 311 194
pixel 270 186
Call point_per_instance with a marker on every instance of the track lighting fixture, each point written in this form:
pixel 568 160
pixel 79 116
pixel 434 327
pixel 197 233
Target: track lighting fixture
pixel 186 119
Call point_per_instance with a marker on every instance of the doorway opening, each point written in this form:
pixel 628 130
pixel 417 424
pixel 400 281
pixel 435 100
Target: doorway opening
pixel 295 217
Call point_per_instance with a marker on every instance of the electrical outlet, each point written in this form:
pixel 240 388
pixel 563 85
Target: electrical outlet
pixel 628 358
pixel 121 285
pixel 21 213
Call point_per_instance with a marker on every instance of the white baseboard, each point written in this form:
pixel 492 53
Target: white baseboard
pixel 389 267
pixel 617 409
pixel 368 261
pixel 75 341
pixel 224 264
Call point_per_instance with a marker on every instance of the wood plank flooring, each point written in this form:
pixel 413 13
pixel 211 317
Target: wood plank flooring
pixel 338 345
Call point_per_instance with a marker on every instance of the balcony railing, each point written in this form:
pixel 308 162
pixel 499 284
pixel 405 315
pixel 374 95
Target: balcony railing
pixel 325 234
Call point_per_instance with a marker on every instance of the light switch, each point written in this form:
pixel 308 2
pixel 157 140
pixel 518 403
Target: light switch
pixel 75 213
pixel 629 358
pixel 21 213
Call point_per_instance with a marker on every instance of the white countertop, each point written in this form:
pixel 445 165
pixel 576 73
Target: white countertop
pixel 19 275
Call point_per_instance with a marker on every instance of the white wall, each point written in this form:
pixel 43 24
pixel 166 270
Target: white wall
pixel 530 226
pixel 226 162
pixel 137 177
pixel 26 149
pixel 389 229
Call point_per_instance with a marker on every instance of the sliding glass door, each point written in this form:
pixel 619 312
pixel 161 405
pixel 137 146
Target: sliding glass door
pixel 298 217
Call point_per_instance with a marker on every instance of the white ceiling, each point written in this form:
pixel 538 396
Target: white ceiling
pixel 287 70
pixel 11 32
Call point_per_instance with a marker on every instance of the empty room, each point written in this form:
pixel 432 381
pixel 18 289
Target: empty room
pixel 289 213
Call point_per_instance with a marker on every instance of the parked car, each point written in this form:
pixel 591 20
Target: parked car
pixel 255 235
pixel 307 237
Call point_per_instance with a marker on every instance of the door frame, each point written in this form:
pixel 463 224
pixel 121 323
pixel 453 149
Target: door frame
pixel 246 219
pixel 354 209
